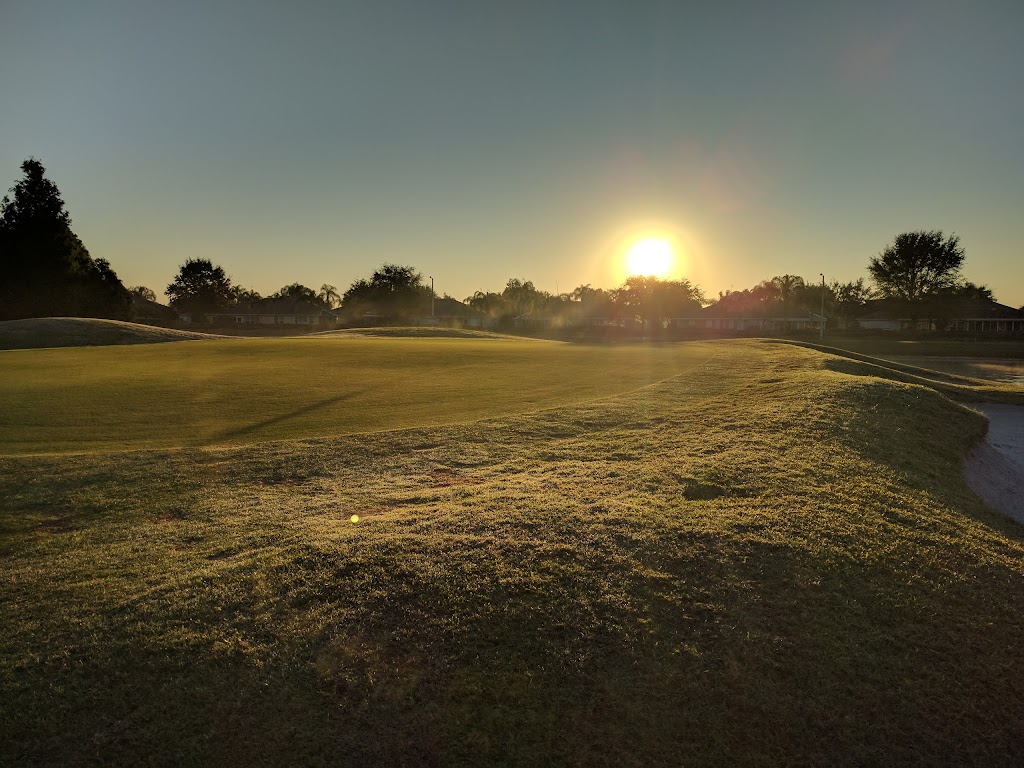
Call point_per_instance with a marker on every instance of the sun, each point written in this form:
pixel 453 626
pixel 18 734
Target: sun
pixel 651 257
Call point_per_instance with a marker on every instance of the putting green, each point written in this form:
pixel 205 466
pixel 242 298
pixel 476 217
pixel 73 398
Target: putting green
pixel 250 390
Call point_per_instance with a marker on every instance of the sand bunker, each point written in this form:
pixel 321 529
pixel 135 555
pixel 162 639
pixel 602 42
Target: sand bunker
pixel 995 469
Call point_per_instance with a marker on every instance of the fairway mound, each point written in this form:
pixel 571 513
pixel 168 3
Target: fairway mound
pixel 41 332
pixel 414 332
pixel 757 561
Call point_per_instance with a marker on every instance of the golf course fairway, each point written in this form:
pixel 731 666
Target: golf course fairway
pixel 522 553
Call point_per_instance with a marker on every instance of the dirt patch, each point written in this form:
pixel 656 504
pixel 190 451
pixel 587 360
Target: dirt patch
pixel 995 468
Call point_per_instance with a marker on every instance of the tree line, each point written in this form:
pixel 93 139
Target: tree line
pixel 47 271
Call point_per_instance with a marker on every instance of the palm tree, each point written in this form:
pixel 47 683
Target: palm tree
pixel 788 287
pixel 329 295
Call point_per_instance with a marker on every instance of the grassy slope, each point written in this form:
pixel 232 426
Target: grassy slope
pixel 417 332
pixel 85 332
pixel 761 561
pixel 243 391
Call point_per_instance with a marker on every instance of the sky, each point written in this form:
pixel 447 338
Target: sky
pixel 479 141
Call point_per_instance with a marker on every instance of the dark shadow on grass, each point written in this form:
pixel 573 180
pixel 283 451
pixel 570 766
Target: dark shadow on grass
pixel 304 410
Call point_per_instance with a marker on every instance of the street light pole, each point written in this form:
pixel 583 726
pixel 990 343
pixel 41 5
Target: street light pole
pixel 822 336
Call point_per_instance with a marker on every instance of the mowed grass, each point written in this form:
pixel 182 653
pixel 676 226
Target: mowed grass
pixel 85 332
pixel 218 392
pixel 770 558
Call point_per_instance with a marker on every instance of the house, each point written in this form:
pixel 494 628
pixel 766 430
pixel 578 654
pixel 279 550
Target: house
pixel 988 317
pixel 454 313
pixel 715 320
pixel 965 316
pixel 278 312
pixel 887 315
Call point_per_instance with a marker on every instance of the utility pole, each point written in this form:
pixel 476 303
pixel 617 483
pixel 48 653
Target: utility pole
pixel 822 336
pixel 432 297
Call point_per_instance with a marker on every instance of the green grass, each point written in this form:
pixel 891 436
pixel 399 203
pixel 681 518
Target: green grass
pixel 760 561
pixel 249 390
pixel 85 332
pixel 417 332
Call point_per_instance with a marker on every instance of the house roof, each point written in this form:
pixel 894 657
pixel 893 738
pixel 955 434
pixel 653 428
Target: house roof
pixel 991 310
pixel 965 309
pixel 449 307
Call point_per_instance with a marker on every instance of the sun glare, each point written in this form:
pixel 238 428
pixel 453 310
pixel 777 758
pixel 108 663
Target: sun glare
pixel 652 256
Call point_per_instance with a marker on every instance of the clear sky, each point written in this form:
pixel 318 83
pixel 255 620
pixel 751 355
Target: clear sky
pixel 477 141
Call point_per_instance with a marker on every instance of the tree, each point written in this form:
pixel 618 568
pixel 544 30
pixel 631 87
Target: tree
pixel 490 303
pixel 788 288
pixel 46 269
pixel 523 297
pixel 299 292
pixel 200 288
pixel 592 299
pixel 393 291
pixel 240 295
pixel 956 301
pixel 738 303
pixel 848 300
pixel 917 264
pixel 142 292
pixel 652 300
pixel 329 295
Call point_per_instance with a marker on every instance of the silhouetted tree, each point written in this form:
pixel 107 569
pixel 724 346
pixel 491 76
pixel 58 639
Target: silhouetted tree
pixel 652 300
pixel 142 292
pixel 789 289
pixel 329 296
pixel 848 300
pixel 917 264
pixel 490 303
pixel 45 268
pixel 299 292
pixel 393 291
pixel 736 303
pixel 760 301
pixel 593 300
pixel 582 293
pixel 240 295
pixel 956 301
pixel 523 297
pixel 200 288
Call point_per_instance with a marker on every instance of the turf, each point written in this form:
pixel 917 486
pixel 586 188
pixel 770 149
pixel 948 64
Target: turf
pixel 417 332
pixel 763 560
pixel 249 390
pixel 85 332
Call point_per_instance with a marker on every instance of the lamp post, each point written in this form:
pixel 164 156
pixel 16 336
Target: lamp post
pixel 431 298
pixel 821 337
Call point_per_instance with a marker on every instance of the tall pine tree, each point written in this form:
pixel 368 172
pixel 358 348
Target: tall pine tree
pixel 45 270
